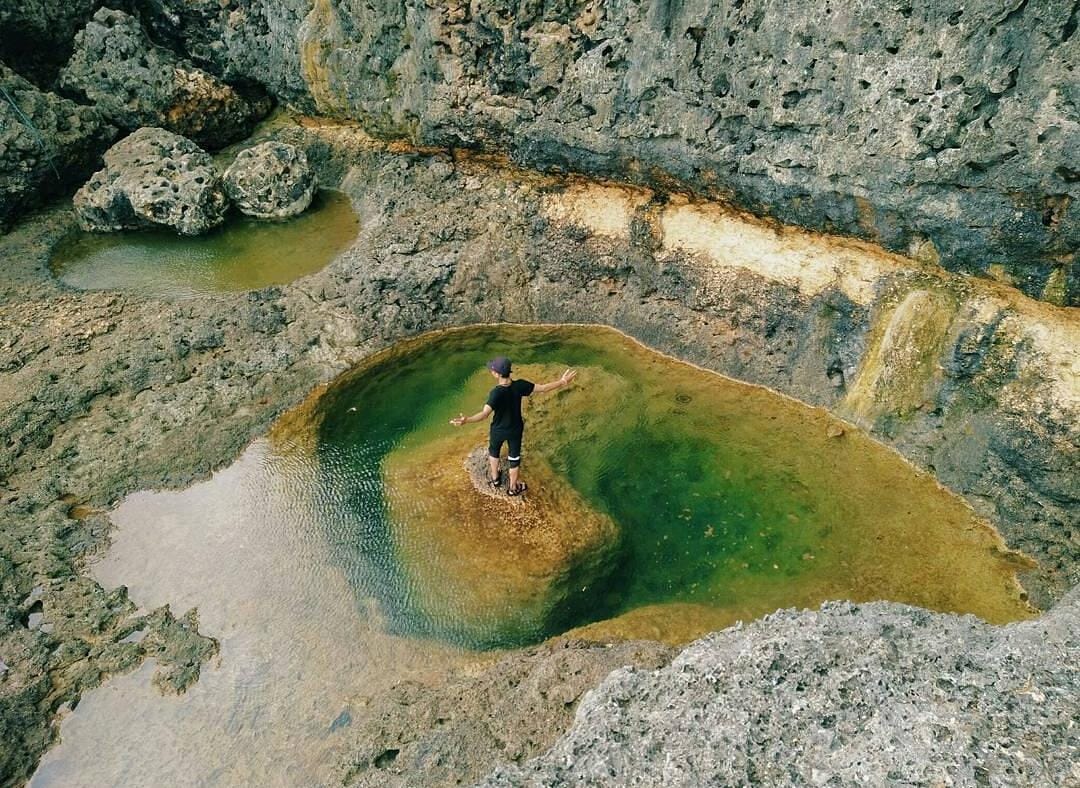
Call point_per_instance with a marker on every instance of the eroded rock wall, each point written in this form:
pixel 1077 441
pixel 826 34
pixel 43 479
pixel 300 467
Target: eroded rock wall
pixel 898 122
pixel 48 144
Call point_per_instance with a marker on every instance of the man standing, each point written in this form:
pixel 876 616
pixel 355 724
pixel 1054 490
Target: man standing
pixel 508 426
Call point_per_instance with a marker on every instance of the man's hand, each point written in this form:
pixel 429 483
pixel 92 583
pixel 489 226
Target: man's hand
pixel 457 422
pixel 564 380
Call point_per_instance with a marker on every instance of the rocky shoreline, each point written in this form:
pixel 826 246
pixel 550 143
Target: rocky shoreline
pixel 105 393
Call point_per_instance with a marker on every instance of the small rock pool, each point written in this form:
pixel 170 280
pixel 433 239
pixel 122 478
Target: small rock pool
pixel 348 550
pixel 242 254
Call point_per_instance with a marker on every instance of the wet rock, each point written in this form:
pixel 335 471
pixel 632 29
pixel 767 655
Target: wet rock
pixel 47 144
pixel 487 569
pixel 153 178
pixel 271 180
pixel 878 693
pixel 135 83
pixel 454 734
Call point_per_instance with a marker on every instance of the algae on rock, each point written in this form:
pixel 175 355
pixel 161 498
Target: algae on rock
pixel 898 369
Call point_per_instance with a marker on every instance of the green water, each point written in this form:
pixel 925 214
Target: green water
pixel 243 254
pixel 730 501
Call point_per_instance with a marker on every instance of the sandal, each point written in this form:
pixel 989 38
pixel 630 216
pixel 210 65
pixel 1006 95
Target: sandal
pixel 519 490
pixel 496 482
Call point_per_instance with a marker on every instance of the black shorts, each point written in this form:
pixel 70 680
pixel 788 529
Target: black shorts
pixel 513 442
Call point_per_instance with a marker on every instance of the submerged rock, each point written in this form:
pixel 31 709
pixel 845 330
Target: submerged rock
pixel 138 84
pixel 271 180
pixel 487 569
pixel 873 694
pixel 153 178
pixel 47 143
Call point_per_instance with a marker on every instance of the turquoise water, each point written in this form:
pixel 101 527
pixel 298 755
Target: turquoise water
pixel 727 498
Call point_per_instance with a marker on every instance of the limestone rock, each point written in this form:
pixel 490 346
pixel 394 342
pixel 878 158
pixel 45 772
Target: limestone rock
pixel 153 178
pixel 456 733
pixel 859 120
pixel 490 570
pixel 47 144
pixel 189 26
pixel 136 83
pixel 873 694
pixel 271 180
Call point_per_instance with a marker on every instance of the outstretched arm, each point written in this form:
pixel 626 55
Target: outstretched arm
pixel 567 376
pixel 463 419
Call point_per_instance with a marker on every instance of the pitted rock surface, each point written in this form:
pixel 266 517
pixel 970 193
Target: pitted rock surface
pixel 47 143
pixel 875 694
pixel 153 177
pixel 451 735
pixel 271 180
pixel 901 122
pixel 136 83
pixel 104 393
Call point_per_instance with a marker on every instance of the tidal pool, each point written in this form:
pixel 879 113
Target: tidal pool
pixel 345 552
pixel 728 501
pixel 243 254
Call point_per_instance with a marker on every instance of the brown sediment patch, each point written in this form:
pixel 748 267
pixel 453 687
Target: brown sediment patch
pixel 676 624
pixel 488 567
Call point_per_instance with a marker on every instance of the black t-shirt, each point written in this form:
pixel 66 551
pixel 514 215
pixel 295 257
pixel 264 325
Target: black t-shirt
pixel 506 402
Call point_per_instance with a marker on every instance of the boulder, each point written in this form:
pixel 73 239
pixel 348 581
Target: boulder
pixel 271 180
pixel 136 83
pixel 47 143
pixel 485 569
pixel 153 178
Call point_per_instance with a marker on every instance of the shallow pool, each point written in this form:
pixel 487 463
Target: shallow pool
pixel 243 254
pixel 728 501
pixel 343 553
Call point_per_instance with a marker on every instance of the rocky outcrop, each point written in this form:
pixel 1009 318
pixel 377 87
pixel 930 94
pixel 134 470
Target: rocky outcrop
pixel 456 733
pixel 485 569
pixel 190 26
pixel 271 180
pixel 874 694
pixel 47 144
pixel 945 128
pixel 135 83
pixel 153 178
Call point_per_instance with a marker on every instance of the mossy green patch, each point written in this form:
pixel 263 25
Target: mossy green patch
pixel 244 254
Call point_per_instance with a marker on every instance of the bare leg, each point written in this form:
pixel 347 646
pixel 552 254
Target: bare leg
pixel 493 468
pixel 513 478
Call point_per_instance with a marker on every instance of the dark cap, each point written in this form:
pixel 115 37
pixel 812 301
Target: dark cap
pixel 500 365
